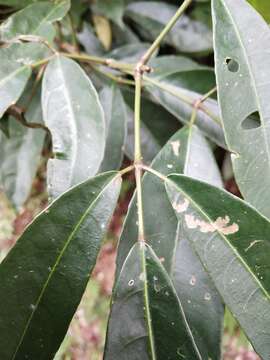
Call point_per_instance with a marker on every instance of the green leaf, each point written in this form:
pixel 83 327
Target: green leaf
pixel 242 68
pixel 115 115
pixel 45 274
pixel 263 7
pixel 232 241
pixel 24 23
pixel 15 71
pixel 113 10
pixel 4 125
pixel 20 154
pixel 187 151
pixel 145 304
pixel 76 123
pixel 187 35
pixel 179 102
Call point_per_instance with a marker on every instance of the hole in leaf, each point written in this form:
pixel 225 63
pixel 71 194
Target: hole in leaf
pixel 232 65
pixel 253 121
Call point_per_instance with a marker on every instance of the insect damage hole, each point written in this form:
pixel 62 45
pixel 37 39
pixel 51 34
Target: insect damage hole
pixel 232 64
pixel 252 121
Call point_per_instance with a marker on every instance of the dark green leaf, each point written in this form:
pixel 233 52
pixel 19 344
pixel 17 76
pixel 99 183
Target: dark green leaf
pixel 116 122
pixel 187 35
pixel 145 304
pixel 243 70
pixel 15 71
pixel 36 19
pixel 76 122
pixel 187 151
pixel 44 275
pixel 232 241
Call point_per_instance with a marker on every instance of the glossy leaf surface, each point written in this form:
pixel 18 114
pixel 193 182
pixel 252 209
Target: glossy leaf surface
pixel 116 122
pixel 232 240
pixel 144 304
pixel 243 70
pixel 72 112
pixel 54 256
pixel 15 71
pixel 24 23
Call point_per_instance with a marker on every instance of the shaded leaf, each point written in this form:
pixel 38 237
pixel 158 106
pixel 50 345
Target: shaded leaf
pixel 145 303
pixel 72 112
pixel 243 70
pixel 15 71
pixel 115 115
pixel 232 241
pixel 179 102
pixel 113 10
pixel 20 154
pixel 54 256
pixel 24 23
pixel 187 35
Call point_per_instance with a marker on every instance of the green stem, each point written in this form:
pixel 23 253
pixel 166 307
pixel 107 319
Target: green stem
pixel 164 32
pixel 137 152
pixel 137 118
pixel 101 61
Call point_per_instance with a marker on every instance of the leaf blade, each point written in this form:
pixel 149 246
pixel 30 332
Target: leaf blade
pixel 155 306
pixel 243 65
pixel 43 269
pixel 236 253
pixel 77 127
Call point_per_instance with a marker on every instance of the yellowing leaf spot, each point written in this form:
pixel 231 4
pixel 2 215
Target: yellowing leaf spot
pixel 221 224
pixel 175 146
pixel 180 208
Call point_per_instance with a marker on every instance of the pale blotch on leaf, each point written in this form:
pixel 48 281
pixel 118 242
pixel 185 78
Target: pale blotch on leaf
pixel 176 147
pixel 181 207
pixel 221 225
pixel 192 280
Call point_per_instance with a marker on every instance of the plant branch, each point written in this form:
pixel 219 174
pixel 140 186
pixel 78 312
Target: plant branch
pixel 144 60
pixel 101 61
pixel 137 151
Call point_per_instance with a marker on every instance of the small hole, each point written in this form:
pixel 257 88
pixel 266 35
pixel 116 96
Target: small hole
pixel 253 121
pixel 232 65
